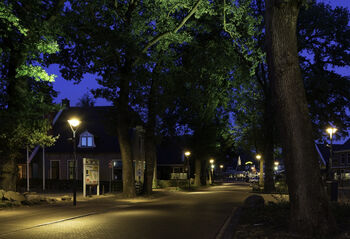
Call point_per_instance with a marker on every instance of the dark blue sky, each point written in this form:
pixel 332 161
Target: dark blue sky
pixel 73 92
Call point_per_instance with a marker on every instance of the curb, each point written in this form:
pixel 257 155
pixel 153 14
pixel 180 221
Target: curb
pixel 229 228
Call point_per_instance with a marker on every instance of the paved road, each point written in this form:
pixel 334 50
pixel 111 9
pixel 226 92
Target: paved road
pixel 174 215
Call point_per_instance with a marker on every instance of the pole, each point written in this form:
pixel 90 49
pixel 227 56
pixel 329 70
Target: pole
pixel 188 172
pixel 43 168
pixel 27 169
pixel 330 158
pixel 110 179
pixel 74 172
pixel 261 175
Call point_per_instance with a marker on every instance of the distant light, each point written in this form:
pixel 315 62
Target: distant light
pixel 212 166
pixel 187 153
pixel 276 168
pixel 211 161
pixel 276 163
pixel 74 122
pixel 221 166
pixel 258 156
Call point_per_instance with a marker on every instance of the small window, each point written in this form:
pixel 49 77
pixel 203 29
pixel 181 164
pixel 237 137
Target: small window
pixel 343 158
pixel 86 140
pixel 70 169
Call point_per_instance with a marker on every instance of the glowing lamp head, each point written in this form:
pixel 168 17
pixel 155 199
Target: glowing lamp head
pixel 276 163
pixel 74 122
pixel 221 166
pixel 187 153
pixel 258 156
pixel 331 130
pixel 211 161
pixel 212 166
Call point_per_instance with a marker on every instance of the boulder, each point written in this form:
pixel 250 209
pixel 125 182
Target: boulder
pixel 14 196
pixel 2 192
pixel 66 198
pixel 33 198
pixel 254 201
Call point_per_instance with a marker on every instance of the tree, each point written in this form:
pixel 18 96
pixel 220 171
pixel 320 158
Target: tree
pixel 26 95
pixel 323 40
pixel 86 101
pixel 116 45
pixel 310 210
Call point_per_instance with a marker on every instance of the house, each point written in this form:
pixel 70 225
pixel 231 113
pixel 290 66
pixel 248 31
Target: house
pixel 171 162
pixel 340 159
pixel 95 139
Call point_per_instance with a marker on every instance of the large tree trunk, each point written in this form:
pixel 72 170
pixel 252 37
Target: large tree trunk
pixel 150 147
pixel 17 90
pixel 268 147
pixel 124 139
pixel 197 171
pixel 310 211
pixel 8 177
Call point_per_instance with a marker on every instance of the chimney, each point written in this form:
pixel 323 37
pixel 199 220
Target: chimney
pixel 65 103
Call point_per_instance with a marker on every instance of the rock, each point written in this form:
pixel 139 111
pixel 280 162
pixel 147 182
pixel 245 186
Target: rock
pixel 33 198
pixel 51 199
pixel 14 196
pixel 66 198
pixel 2 192
pixel 254 201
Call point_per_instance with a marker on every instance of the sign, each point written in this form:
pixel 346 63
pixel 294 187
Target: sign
pixel 91 173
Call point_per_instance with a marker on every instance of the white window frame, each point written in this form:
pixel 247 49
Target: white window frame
pixel 86 135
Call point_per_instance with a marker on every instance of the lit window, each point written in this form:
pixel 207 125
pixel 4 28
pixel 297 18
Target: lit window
pixel 86 140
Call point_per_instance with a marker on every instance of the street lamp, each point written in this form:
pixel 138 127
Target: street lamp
pixel 276 165
pixel 333 183
pixel 211 161
pixel 331 131
pixel 74 123
pixel 187 155
pixel 261 175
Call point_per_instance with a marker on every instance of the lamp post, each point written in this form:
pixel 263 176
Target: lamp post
pixel 330 131
pixel 332 184
pixel 211 161
pixel 261 175
pixel 187 155
pixel 74 123
pixel 276 165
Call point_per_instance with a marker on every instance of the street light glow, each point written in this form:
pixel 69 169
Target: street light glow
pixel 276 163
pixel 212 166
pixel 331 131
pixel 74 122
pixel 221 166
pixel 187 153
pixel 258 156
pixel 211 161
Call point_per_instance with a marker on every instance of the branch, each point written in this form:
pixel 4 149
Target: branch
pixel 162 35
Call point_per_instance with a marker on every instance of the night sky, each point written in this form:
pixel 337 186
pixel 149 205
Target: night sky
pixel 73 92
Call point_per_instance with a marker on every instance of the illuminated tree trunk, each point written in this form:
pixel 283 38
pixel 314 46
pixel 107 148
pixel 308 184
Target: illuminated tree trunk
pixel 197 171
pixel 310 211
pixel 124 139
pixel 150 146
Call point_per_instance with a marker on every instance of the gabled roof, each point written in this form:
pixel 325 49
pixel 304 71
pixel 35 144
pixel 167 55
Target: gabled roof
pixel 96 120
pixel 170 152
pixel 324 150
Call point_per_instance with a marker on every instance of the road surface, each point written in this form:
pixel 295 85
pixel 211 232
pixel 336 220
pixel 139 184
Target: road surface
pixel 200 214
